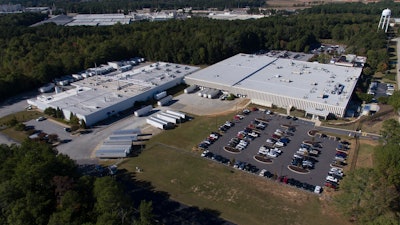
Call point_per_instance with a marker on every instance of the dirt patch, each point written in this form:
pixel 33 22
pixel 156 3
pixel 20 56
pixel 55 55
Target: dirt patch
pixel 297 169
pixel 263 159
pixel 231 150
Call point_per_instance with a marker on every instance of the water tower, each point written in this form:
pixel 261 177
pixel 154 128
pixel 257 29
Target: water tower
pixel 384 21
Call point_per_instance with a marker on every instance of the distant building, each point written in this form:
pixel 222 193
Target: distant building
pixel 17 8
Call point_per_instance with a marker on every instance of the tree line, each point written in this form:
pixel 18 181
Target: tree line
pixel 32 56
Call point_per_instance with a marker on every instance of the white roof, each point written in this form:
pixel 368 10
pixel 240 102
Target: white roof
pixel 284 77
pixel 101 91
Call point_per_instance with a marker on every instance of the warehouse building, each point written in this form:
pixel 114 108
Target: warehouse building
pixel 318 89
pixel 100 96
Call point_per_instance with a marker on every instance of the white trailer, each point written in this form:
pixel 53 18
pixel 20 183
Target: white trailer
pixel 160 95
pixel 103 153
pixel 123 138
pixel 178 118
pixel 117 142
pixel 143 111
pixel 125 68
pixel 201 92
pixel 155 123
pixel 48 87
pixel 129 131
pixel 190 89
pixel 182 115
pixel 77 76
pixel 164 101
pixel 167 118
pixel 205 93
pixel 213 93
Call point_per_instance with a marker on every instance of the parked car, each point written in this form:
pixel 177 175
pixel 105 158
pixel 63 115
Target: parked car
pixel 284 140
pixel 279 144
pixel 318 189
pixel 331 185
pixel 331 179
pixel 262 172
pixel 40 118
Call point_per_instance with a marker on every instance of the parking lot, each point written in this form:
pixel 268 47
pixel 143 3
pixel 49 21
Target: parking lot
pixel 279 165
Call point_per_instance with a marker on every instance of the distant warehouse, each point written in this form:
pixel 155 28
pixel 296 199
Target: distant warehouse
pixel 106 94
pixel 318 89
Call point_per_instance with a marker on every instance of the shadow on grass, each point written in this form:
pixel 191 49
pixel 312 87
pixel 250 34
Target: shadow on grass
pixel 167 211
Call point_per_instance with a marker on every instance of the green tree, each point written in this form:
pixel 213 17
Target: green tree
pixel 394 100
pixel 366 196
pixel 146 213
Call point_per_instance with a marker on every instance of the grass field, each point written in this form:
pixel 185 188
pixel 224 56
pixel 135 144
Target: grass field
pixel 171 165
pixel 21 116
pixel 365 154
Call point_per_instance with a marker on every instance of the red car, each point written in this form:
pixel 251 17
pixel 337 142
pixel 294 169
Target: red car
pixel 276 136
pixel 331 185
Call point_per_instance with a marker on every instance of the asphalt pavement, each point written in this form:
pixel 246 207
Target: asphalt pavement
pixel 280 164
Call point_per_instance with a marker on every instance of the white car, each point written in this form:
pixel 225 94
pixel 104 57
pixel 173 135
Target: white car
pixel 260 126
pixel 253 134
pixel 239 147
pixel 272 154
pixel 204 153
pixel 337 170
pixel 271 141
pixel 279 144
pixel 277 150
pixel 332 179
pixel 261 174
pixel 317 189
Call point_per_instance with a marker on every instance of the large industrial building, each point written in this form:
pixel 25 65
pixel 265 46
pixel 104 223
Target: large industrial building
pixel 101 96
pixel 318 89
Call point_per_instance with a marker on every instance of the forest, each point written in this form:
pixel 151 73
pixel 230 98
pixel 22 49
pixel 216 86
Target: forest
pixel 40 186
pixel 32 56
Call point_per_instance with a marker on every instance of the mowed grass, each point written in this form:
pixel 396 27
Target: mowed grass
pixel 171 165
pixel 22 116
pixel 365 154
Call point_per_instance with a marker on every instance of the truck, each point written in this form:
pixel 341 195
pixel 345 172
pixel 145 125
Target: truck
pixel 47 88
pixel 164 101
pixel 143 111
pixel 190 89
pixel 160 95
pixel 213 93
